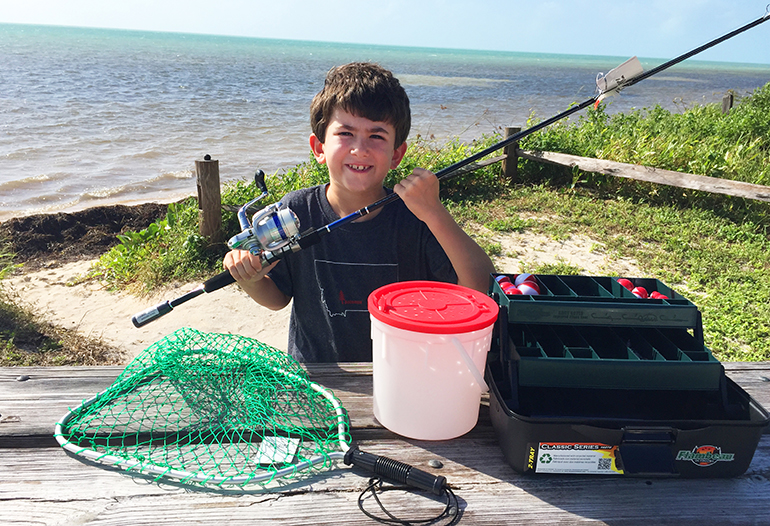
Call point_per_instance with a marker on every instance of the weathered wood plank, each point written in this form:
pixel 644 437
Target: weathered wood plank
pixel 46 486
pixel 630 502
pixel 29 409
pixel 653 175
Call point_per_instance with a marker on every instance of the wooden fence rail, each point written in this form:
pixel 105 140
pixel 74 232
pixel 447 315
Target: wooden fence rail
pixel 653 175
pixel 511 154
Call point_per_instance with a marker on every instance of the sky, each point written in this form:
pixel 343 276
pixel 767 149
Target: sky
pixel 648 29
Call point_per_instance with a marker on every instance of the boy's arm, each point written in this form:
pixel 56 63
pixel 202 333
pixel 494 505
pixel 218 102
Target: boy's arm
pixel 252 278
pixel 419 192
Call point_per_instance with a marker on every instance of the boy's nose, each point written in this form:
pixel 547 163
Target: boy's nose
pixel 359 148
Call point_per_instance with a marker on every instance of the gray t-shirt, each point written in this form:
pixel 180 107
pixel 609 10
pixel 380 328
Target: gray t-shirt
pixel 330 281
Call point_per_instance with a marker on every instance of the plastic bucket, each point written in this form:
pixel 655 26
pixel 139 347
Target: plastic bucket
pixel 430 342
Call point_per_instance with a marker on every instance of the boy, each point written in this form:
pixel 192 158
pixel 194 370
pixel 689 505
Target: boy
pixel 360 121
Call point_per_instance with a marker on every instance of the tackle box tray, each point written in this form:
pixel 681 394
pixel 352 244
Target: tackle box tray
pixel 591 332
pixel 591 300
pixel 645 433
pixel 610 357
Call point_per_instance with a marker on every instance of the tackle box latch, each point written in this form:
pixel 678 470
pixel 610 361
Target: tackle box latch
pixel 648 451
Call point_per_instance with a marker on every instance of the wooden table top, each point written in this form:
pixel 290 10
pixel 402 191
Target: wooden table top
pixel 41 484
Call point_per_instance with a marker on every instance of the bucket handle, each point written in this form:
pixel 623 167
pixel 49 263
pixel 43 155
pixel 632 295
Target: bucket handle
pixel 471 366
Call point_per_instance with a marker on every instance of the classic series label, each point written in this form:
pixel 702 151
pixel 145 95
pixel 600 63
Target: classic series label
pixel 576 458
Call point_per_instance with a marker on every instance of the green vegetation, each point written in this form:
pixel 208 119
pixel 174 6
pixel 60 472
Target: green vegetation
pixel 25 340
pixel 169 249
pixel 699 140
pixel 713 249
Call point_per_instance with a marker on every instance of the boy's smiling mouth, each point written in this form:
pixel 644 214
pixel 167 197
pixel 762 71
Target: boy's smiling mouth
pixel 359 167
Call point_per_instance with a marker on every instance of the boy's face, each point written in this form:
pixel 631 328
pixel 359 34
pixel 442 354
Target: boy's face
pixel 359 153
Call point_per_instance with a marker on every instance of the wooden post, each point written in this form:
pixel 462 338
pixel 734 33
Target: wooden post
pixel 727 102
pixel 209 199
pixel 511 161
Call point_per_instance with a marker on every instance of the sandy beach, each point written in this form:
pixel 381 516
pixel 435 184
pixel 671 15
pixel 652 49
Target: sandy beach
pixel 94 311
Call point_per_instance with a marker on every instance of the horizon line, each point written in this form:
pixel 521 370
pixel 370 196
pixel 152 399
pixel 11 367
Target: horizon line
pixel 363 44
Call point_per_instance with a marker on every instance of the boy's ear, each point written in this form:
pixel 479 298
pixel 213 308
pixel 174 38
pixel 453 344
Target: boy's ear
pixel 398 155
pixel 318 148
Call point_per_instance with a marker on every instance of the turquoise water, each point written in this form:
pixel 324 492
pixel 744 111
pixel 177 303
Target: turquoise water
pixel 91 116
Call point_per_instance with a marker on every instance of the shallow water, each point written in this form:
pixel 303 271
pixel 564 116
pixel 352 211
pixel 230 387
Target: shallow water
pixel 91 117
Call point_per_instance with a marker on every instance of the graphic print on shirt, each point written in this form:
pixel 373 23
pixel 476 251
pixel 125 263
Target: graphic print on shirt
pixel 353 282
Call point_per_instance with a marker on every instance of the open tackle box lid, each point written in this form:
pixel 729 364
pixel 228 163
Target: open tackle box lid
pixel 585 331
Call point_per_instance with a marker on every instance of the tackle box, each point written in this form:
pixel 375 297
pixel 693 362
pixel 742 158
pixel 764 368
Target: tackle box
pixel 586 379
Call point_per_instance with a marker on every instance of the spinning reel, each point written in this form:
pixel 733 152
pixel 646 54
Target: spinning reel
pixel 270 229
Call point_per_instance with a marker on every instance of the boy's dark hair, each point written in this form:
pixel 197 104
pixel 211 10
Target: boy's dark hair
pixel 365 90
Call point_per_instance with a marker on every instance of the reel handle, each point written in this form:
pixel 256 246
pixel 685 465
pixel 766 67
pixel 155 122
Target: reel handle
pixel 259 180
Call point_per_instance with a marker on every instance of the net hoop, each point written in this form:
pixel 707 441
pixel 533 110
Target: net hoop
pixel 125 382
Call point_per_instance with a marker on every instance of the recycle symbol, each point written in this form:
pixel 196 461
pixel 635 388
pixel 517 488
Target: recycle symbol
pixel 545 458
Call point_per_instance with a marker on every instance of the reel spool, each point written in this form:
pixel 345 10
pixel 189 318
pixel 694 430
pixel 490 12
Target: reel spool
pixel 274 227
pixel 271 228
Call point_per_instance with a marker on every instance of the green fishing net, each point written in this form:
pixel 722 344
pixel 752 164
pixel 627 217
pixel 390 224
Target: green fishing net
pixel 210 409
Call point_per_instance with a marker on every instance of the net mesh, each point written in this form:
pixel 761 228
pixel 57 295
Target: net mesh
pixel 210 408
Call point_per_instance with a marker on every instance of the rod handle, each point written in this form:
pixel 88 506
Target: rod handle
pixel 395 470
pixel 151 314
pixel 217 282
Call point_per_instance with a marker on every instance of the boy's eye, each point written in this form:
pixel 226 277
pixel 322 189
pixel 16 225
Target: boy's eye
pixel 378 137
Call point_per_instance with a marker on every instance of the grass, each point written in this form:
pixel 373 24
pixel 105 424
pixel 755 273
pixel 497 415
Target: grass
pixel 713 249
pixel 721 266
pixel 26 340
pixel 699 140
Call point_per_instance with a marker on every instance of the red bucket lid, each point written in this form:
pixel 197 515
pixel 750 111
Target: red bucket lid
pixel 432 307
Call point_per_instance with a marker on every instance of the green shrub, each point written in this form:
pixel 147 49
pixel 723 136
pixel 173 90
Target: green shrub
pixel 699 140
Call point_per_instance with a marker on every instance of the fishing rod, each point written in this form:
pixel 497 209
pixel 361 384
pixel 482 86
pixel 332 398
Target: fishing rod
pixel 273 233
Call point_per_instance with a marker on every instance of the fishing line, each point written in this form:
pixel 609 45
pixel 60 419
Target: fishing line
pixel 451 509
pixel 627 74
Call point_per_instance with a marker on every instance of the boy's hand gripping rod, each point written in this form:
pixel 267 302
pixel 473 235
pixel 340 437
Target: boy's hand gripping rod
pixel 273 232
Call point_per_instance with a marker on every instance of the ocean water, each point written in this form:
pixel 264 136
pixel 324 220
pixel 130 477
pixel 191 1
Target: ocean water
pixel 91 117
